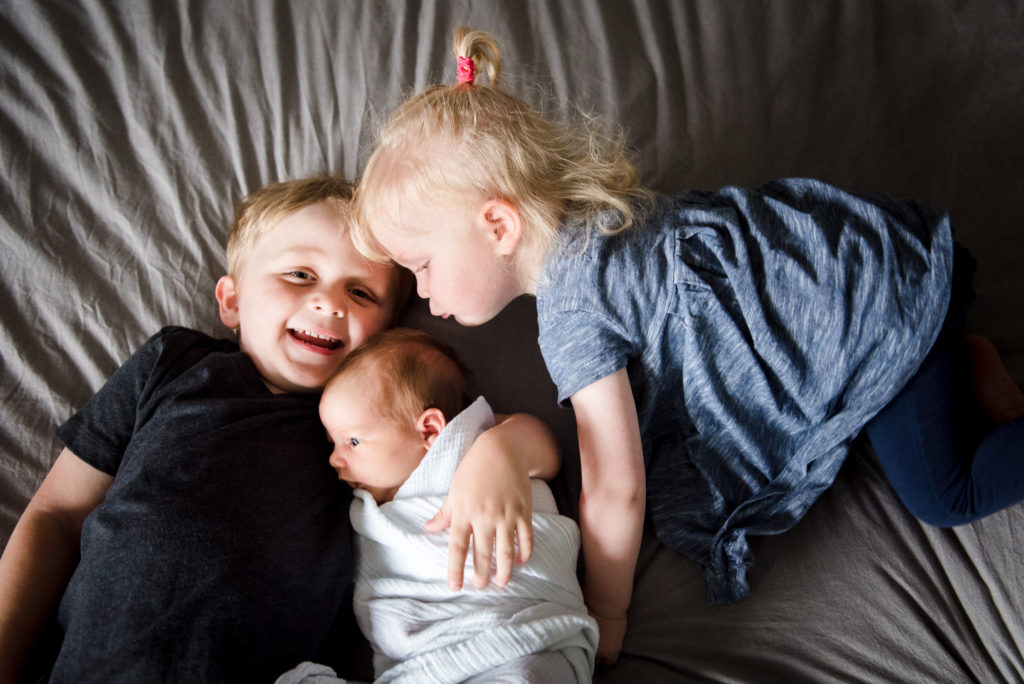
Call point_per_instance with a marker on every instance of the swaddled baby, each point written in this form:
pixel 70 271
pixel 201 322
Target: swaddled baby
pixel 400 414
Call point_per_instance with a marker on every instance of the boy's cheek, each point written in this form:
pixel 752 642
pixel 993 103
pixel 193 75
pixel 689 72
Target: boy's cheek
pixel 371 327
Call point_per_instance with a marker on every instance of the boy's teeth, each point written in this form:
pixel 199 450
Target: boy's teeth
pixel 310 337
pixel 310 333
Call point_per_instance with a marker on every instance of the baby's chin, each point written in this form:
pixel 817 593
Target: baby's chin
pixel 380 494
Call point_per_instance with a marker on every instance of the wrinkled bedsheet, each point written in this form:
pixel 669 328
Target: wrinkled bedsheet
pixel 130 128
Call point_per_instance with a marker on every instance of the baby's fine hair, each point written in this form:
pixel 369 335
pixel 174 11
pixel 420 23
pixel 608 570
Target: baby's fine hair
pixel 261 211
pixel 409 371
pixel 468 140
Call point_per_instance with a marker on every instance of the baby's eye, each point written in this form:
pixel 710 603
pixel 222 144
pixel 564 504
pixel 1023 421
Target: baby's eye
pixel 300 275
pixel 422 267
pixel 353 441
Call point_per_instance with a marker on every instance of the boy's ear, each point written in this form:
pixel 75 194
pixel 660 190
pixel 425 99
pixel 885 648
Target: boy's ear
pixel 504 225
pixel 227 297
pixel 430 423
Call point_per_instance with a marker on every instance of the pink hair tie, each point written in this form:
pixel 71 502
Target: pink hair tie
pixel 465 70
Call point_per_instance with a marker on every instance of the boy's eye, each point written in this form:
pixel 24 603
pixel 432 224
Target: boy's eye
pixel 422 267
pixel 363 294
pixel 353 441
pixel 300 275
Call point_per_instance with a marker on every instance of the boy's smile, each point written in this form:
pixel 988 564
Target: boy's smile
pixel 321 342
pixel 304 298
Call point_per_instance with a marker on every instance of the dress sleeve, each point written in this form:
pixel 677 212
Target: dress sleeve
pixel 580 348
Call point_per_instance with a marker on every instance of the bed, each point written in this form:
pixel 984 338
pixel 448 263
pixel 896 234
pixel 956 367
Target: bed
pixel 130 128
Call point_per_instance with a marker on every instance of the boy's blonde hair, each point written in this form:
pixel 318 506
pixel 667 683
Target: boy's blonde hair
pixel 464 141
pixel 261 211
pixel 411 371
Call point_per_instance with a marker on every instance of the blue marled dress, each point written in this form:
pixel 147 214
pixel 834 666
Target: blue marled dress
pixel 761 330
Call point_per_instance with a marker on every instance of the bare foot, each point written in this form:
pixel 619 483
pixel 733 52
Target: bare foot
pixel 994 390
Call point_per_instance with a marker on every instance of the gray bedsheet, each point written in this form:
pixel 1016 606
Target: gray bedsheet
pixel 128 130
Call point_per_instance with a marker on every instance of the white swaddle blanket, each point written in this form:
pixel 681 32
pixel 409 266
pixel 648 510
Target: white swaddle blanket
pixel 421 630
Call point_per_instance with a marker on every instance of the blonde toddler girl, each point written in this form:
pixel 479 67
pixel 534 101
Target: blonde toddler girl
pixel 720 349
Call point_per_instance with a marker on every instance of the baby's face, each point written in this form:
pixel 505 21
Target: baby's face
pixel 371 452
pixel 305 298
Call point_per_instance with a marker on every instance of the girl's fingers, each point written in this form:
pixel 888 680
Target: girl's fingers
pixel 458 550
pixel 441 520
pixel 483 548
pixel 504 553
pixel 524 531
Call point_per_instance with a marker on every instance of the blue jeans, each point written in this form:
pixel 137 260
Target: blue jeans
pixel 945 461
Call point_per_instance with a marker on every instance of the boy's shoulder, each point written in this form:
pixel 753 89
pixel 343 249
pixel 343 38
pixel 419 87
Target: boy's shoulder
pixel 175 349
pixel 178 338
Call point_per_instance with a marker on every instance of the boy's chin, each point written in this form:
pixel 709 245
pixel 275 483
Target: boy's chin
pixel 295 386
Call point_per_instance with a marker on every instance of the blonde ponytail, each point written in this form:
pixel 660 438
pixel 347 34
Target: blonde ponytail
pixel 481 48
pixel 462 143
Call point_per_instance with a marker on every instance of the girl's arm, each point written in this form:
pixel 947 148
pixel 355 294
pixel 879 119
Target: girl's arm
pixel 491 499
pixel 612 503
pixel 41 555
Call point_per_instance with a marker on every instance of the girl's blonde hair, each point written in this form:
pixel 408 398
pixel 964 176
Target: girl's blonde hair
pixel 260 212
pixel 453 142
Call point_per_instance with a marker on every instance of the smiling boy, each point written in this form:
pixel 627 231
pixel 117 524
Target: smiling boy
pixel 214 543
pixel 192 528
pixel 301 293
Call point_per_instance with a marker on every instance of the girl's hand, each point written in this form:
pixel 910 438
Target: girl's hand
pixel 611 632
pixel 490 499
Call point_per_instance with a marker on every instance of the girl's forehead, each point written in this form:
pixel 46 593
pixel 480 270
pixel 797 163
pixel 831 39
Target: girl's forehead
pixel 407 223
pixel 404 247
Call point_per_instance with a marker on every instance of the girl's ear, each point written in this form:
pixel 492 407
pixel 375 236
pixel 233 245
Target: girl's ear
pixel 227 297
pixel 504 225
pixel 430 423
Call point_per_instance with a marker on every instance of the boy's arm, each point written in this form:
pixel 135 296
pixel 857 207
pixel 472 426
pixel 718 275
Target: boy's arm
pixel 612 503
pixel 41 555
pixel 491 498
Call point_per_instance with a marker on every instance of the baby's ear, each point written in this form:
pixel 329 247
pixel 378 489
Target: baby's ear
pixel 227 297
pixel 430 424
pixel 504 225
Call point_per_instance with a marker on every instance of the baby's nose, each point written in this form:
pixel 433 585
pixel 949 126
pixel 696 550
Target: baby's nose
pixel 337 462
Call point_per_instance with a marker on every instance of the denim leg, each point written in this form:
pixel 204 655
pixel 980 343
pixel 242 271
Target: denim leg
pixel 944 467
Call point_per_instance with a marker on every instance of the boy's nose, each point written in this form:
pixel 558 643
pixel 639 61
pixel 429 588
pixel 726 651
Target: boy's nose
pixel 328 305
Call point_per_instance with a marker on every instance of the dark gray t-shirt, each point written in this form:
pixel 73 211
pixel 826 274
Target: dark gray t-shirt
pixel 223 549
pixel 761 329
